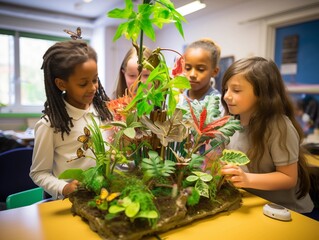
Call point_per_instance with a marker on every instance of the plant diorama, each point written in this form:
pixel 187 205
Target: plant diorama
pixel 162 168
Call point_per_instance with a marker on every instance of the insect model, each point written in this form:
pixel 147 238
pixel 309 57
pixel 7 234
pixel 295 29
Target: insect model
pixel 74 35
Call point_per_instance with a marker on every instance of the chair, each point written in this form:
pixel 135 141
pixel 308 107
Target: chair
pixel 14 172
pixel 24 198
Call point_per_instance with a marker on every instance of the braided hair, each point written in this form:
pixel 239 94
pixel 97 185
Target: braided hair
pixel 59 61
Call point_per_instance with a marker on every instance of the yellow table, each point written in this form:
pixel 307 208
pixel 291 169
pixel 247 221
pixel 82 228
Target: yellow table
pixel 53 220
pixel 312 160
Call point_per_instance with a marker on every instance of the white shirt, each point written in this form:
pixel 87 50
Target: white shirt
pixel 51 154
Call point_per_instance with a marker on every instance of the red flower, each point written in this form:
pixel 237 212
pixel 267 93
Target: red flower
pixel 178 67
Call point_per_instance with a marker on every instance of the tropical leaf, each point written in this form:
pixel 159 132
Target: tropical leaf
pixel 154 166
pixel 202 188
pixel 171 130
pixel 234 157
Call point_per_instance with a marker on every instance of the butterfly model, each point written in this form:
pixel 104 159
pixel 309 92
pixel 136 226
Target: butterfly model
pixel 74 35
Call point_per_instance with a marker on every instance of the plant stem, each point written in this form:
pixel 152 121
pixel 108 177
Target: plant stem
pixel 140 53
pixel 172 50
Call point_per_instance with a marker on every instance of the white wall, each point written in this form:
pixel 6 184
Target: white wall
pixel 242 30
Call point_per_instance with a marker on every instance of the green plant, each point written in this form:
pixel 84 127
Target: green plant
pixel 201 186
pixel 168 150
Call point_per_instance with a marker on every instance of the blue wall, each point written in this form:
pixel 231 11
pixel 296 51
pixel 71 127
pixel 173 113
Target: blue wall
pixel 308 51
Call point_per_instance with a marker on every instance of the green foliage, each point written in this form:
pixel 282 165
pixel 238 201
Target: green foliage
pixel 94 178
pixel 98 142
pixel 132 209
pixel 154 166
pixel 194 198
pixel 195 162
pixel 200 179
pixel 158 85
pixel 137 202
pixel 148 14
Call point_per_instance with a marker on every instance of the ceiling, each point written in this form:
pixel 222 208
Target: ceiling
pixel 89 14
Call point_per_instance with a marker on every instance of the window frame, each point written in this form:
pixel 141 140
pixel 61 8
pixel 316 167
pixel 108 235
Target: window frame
pixel 17 107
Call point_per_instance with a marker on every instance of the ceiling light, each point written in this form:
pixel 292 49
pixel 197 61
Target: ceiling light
pixel 190 7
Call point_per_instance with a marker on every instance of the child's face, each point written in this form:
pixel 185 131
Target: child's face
pixel 198 68
pixel 81 86
pixel 131 72
pixel 240 98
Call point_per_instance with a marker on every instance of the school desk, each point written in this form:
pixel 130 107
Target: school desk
pixel 54 220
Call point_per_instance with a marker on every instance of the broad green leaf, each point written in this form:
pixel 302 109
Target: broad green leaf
pixel 147 214
pixel 130 132
pixel 206 177
pixel 72 174
pixel 122 29
pixel 192 178
pixel 122 13
pixel 132 209
pixel 179 82
pixel 116 209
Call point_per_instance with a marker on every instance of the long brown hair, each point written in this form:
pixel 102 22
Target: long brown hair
pixel 273 105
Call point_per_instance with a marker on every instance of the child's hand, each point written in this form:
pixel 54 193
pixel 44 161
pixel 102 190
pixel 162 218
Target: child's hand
pixel 235 175
pixel 70 187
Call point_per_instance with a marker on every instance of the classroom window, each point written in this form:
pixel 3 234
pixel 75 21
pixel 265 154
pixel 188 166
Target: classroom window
pixel 21 77
pixel 6 67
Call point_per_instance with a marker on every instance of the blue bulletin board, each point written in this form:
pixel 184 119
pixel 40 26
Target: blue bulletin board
pixel 307 52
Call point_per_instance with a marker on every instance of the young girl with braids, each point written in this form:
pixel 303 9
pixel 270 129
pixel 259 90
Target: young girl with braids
pixel 74 94
pixel 200 65
pixel 254 92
